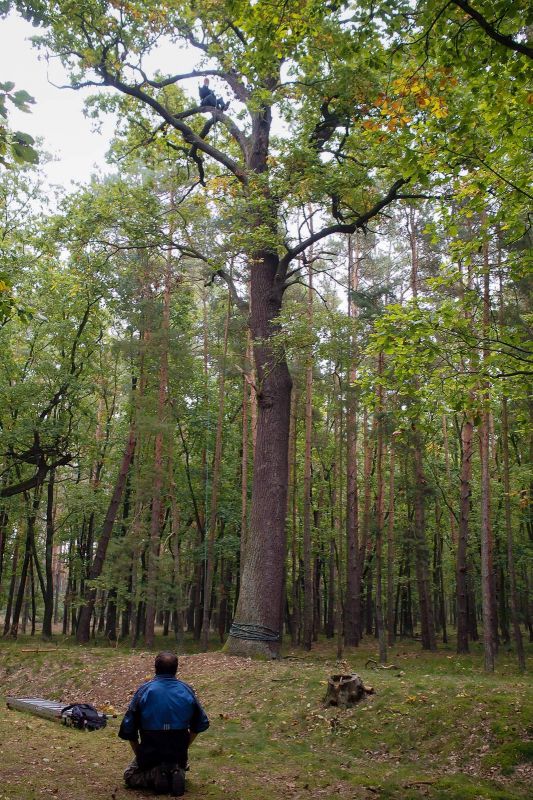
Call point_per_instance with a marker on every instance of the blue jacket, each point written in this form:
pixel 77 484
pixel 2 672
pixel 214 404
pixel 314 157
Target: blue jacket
pixel 163 704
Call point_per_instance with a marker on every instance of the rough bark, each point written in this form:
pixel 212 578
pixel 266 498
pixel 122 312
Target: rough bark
pixel 261 592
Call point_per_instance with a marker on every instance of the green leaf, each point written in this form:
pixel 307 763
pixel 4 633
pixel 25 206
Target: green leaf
pixel 23 138
pixel 24 153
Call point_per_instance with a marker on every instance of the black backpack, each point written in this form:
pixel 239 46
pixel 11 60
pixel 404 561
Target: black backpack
pixel 83 716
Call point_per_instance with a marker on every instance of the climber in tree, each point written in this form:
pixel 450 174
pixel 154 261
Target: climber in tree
pixel 208 97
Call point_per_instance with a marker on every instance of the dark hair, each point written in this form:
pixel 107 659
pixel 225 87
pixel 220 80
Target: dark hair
pixel 166 663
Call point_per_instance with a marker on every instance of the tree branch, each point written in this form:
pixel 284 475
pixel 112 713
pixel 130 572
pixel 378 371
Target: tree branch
pixel 218 116
pixel 188 134
pixel 490 30
pixel 230 77
pixel 36 479
pixel 346 227
pixel 241 304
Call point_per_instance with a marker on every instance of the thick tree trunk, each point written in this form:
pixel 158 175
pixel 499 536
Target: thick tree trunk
pixel 246 378
pixel 257 627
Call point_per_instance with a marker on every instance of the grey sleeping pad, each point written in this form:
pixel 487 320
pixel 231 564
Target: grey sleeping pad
pixel 50 709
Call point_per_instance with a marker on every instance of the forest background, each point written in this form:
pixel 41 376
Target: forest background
pixel 355 224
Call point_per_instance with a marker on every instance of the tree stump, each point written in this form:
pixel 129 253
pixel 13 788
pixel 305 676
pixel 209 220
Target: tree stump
pixel 346 691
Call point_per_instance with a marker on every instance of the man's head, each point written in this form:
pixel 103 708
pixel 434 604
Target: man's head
pixel 166 663
pixel 206 81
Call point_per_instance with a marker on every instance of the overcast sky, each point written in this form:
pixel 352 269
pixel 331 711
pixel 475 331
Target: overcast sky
pixel 57 116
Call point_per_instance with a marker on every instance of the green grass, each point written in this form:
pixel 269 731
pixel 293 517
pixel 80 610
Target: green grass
pixel 437 728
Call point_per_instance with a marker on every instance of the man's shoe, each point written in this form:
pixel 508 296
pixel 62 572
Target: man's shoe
pixel 177 782
pixel 162 780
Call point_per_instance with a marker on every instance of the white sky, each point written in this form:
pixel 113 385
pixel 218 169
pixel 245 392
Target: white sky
pixel 57 116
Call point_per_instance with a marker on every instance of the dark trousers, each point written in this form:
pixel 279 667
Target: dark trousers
pixel 137 778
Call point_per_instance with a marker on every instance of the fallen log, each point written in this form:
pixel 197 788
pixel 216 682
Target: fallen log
pixel 380 666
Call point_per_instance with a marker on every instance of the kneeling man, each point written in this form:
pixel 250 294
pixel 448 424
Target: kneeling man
pixel 167 716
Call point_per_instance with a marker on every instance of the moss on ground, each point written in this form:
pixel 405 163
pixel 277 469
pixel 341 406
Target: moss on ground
pixel 437 727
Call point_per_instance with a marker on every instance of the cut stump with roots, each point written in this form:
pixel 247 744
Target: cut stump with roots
pixel 346 691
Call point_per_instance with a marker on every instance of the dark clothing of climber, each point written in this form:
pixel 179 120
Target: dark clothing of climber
pixel 166 714
pixel 208 98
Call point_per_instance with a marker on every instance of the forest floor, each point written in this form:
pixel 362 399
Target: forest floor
pixel 437 727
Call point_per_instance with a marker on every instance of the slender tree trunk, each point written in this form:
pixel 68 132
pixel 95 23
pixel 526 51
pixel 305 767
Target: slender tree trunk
pixel 338 529
pixel 307 536
pixel 467 451
pixel 427 619
pixel 49 591
pixel 487 586
pixel 30 533
pixel 84 620
pixel 295 599
pixel 215 486
pixel 380 517
pixel 390 551
pixel 33 599
pixel 3 536
pixel 364 555
pixel 157 485
pixel 453 526
pixel 439 602
pixel 352 603
pixel 513 595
